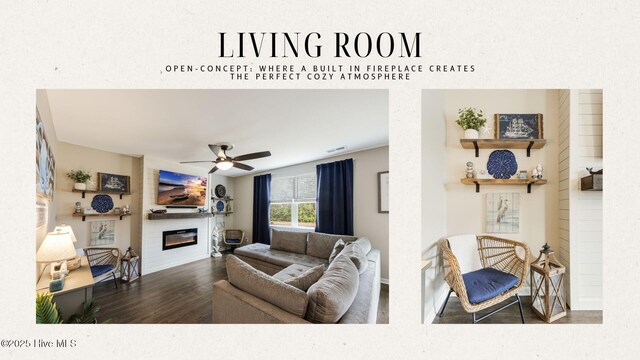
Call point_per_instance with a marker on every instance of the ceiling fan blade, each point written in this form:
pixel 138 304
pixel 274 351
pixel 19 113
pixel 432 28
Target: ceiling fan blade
pixel 252 156
pixel 217 150
pixel 214 169
pixel 191 162
pixel 242 166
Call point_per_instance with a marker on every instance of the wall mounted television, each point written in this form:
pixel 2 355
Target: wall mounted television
pixel 181 189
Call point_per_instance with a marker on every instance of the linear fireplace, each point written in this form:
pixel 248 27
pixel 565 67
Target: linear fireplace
pixel 179 238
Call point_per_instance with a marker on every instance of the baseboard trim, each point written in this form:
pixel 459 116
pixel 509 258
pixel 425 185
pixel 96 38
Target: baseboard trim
pixel 432 313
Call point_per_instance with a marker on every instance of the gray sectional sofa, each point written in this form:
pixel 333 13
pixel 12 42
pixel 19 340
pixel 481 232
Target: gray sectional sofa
pixel 300 278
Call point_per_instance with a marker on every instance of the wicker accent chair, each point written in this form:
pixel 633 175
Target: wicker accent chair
pixel 233 238
pixel 103 262
pixel 495 254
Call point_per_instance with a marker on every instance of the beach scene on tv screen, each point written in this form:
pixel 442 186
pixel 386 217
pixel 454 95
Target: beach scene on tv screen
pixel 181 189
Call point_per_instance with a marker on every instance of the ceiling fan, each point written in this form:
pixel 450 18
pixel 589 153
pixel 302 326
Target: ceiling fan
pixel 225 162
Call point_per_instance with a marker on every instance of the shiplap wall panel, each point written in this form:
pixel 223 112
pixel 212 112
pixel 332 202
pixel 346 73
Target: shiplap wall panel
pixel 586 206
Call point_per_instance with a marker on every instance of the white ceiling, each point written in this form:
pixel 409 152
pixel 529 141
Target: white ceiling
pixel 176 125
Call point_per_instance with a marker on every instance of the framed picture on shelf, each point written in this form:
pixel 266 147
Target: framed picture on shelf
pixel 518 126
pixel 383 192
pixel 113 183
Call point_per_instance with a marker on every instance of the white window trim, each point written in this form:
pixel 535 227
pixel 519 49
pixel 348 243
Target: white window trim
pixel 294 204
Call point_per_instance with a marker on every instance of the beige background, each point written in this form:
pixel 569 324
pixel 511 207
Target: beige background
pixel 513 44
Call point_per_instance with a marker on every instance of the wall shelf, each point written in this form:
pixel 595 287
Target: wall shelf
pixel 84 216
pixel 527 144
pixel 527 182
pixel 225 213
pixel 100 192
pixel 167 216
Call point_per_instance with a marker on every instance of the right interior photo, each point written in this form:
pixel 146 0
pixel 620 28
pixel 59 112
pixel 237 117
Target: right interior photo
pixel 512 184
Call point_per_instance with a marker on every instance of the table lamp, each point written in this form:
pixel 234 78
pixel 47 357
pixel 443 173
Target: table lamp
pixel 74 263
pixel 66 228
pixel 56 247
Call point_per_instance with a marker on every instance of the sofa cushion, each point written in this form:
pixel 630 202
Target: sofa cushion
pixel 487 283
pixel 278 257
pixel 337 248
pixel 357 255
pixel 321 245
pixel 333 294
pixel 290 271
pixel 245 277
pixel 295 242
pixel 364 243
pixel 300 276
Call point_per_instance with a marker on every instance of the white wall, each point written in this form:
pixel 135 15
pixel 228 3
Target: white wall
pixel 539 209
pixel 75 157
pixel 367 221
pixel 225 222
pixel 153 258
pixel 586 206
pixel 434 197
pixel 42 104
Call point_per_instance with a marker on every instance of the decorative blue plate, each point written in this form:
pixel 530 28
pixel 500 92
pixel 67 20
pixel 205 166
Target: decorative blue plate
pixel 102 203
pixel 220 206
pixel 502 164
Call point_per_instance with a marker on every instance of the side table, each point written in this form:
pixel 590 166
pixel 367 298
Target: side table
pixel 424 265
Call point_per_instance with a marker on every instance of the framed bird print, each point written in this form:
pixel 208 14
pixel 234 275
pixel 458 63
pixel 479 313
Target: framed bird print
pixel 503 213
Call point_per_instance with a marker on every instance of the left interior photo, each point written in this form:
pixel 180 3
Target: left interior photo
pixel 212 206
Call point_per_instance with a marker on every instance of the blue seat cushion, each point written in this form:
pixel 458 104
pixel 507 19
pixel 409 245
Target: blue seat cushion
pixel 487 283
pixel 98 270
pixel 233 241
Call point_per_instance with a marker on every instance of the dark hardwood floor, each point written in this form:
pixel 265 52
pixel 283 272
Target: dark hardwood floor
pixel 180 295
pixel 455 314
pixel 383 305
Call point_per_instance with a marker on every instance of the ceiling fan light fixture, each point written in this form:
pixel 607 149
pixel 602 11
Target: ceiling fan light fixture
pixel 224 165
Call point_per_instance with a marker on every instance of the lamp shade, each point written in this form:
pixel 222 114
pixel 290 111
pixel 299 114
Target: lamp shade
pixel 57 246
pixel 64 228
pixel 224 165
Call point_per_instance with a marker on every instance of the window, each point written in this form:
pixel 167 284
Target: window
pixel 293 201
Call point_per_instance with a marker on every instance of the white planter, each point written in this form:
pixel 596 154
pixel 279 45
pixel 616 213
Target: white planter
pixel 471 134
pixel 80 186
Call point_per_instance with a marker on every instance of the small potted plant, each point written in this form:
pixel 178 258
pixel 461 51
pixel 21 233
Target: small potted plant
pixel 79 178
pixel 471 120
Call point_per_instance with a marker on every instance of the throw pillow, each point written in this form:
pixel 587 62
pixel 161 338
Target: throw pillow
pixel 364 243
pixel 255 282
pixel 307 278
pixel 333 294
pixel 321 245
pixel 337 248
pixel 357 255
pixel 291 241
